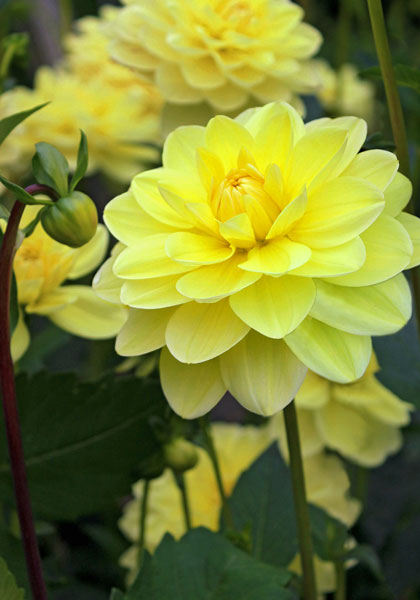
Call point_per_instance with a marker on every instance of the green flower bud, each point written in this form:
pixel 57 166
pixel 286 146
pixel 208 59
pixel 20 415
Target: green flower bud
pixel 180 455
pixel 72 220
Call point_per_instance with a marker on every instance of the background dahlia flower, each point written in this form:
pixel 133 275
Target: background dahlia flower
pixel 223 52
pixel 237 448
pixel 260 248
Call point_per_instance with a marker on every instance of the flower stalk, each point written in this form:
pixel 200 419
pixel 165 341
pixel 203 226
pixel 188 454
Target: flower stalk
pixel 301 506
pixel 340 581
pixel 180 481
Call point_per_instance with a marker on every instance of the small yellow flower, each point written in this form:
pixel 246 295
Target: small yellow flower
pixel 237 447
pixel 360 420
pixel 222 51
pixel 263 246
pixel 41 266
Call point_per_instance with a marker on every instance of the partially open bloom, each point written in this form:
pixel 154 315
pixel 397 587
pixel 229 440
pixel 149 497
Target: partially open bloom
pixel 343 92
pixel 260 248
pixel 41 266
pixel 223 52
pixel 237 447
pixel 360 420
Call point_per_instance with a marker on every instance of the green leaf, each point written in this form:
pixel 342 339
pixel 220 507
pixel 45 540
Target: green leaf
pixel 8 588
pixel 367 556
pixel 329 535
pixel 82 162
pixel 51 168
pixel 12 552
pixel 82 441
pixel 21 194
pixel 203 565
pixel 29 229
pixel 406 76
pixel 9 123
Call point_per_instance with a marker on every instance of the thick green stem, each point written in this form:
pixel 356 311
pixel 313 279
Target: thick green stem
pixel 142 524
pixel 343 33
pixel 180 481
pixel 340 581
pixel 211 450
pixel 301 506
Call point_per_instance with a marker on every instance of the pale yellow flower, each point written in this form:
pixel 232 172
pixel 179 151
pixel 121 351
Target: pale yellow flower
pixel 360 420
pixel 41 267
pixel 237 447
pixel 11 164
pixel 222 51
pixel 263 246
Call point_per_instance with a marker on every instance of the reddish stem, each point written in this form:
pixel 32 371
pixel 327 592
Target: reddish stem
pixel 11 417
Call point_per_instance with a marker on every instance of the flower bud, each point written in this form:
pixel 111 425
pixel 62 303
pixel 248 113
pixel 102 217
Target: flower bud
pixel 180 455
pixel 72 220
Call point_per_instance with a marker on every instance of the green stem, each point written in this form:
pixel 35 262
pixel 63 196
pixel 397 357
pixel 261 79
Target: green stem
pixel 343 33
pixel 180 481
pixel 211 450
pixel 301 506
pixel 5 63
pixel 143 515
pixel 340 581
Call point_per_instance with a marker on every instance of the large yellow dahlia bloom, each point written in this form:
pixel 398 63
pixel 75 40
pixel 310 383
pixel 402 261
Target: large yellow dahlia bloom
pixel 41 266
pixel 221 51
pixel 260 248
pixel 237 448
pixel 360 420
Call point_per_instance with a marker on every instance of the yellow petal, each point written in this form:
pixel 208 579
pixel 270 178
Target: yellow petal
pixel 275 306
pixel 238 231
pixel 203 73
pixel 210 168
pixel 343 428
pixel 158 292
pixel 105 283
pixel 147 259
pixel 191 390
pixel 274 141
pixel 51 301
pixel 378 309
pixel 89 256
pixel 225 138
pixel 388 252
pixel 199 332
pixel 203 217
pixel 89 316
pixel 397 195
pixel 337 212
pixel 262 374
pixel 216 281
pixel 260 220
pixel 330 262
pixel 143 332
pixel 314 392
pixel 256 119
pixel 332 353
pixel 179 151
pixel 412 225
pixel 274 185
pixel 20 339
pixel 289 216
pixel 195 249
pixel 276 257
pixel 376 166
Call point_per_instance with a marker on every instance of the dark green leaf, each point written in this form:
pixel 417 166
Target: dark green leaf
pixel 12 552
pixel 82 441
pixel 8 587
pixel 329 534
pixel 203 565
pixel 4 212
pixel 82 162
pixel 406 76
pixel 23 195
pixel 51 168
pixel 9 123
pixel 367 556
pixel 42 345
pixel 29 229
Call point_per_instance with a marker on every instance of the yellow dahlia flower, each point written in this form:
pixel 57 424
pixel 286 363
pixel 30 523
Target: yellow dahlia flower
pixel 361 420
pixel 343 92
pixel 260 248
pixel 11 165
pixel 220 51
pixel 237 447
pixel 41 266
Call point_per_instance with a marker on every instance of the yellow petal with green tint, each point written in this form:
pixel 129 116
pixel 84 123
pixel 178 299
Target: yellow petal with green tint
pixel 262 374
pixel 276 257
pixel 289 216
pixel 158 292
pixel 216 281
pixel 376 166
pixel 397 195
pixel 378 309
pixel 388 252
pixel 89 256
pixel 191 390
pixel 179 151
pixel 20 338
pixel 89 316
pixel 52 301
pixel 275 306
pixel 225 138
pixel 238 231
pixel 105 283
pixel 143 332
pixel 314 392
pixel 343 429
pixel 330 262
pixel 197 249
pixel 412 225
pixel 337 212
pixel 147 259
pixel 198 332
pixel 210 168
pixel 332 353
